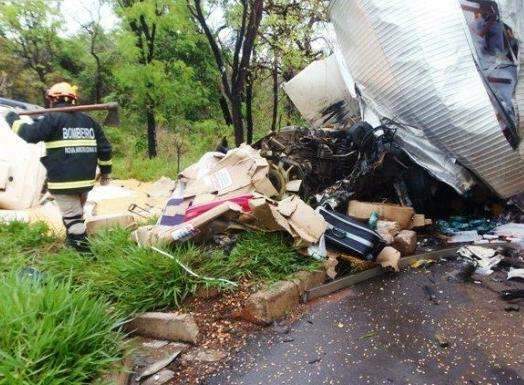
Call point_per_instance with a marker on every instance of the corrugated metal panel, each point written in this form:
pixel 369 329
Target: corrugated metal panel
pixel 412 60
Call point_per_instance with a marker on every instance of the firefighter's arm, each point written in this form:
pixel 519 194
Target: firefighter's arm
pixel 34 132
pixel 104 152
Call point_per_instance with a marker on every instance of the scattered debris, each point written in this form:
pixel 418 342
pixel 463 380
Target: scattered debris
pixel 314 360
pixel 515 273
pixel 484 258
pixel 389 259
pixel 510 295
pixel 403 216
pixel 510 308
pixel 388 231
pixel 442 341
pixel 406 242
pixel 348 235
pixel 161 378
pixel 512 230
pixel 465 237
pixel 422 263
pixel 157 366
pixel 95 224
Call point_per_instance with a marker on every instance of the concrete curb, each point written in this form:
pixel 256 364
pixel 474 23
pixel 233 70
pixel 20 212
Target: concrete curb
pixel 178 327
pixel 280 298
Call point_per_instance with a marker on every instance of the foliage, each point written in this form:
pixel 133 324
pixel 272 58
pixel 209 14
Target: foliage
pixel 30 28
pixel 242 21
pixel 129 146
pixel 135 279
pixel 178 80
pixel 52 333
pixel 158 74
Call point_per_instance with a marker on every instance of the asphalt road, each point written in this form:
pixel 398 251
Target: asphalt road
pixel 384 332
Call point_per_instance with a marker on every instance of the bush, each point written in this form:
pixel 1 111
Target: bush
pixel 52 333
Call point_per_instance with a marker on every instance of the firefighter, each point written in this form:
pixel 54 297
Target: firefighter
pixel 75 145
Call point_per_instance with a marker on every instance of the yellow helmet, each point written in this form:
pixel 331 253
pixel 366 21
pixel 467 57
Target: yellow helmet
pixel 62 90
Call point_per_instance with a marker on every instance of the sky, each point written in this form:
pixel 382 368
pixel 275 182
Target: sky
pixel 77 12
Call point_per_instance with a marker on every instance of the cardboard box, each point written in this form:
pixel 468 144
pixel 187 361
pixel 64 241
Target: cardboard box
pixel 395 213
pixel 96 224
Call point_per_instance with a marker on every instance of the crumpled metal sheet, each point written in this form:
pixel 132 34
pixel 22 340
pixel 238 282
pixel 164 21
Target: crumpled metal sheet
pixel 324 82
pixel 413 63
pixel 426 155
pixel 320 95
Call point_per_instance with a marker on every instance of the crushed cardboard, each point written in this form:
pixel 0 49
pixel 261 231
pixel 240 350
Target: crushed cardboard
pixel 389 258
pixel 106 206
pixel 218 177
pixel 48 213
pixel 241 170
pixel 98 223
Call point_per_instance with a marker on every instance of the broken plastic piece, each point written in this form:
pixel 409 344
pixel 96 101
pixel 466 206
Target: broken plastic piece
pixel 515 273
pixel 191 272
pixel 465 237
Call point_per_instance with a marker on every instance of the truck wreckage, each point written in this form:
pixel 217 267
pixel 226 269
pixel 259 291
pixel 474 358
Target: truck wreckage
pixel 419 107
pixel 392 119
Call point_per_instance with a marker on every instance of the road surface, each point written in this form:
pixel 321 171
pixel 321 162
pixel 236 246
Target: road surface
pixel 388 331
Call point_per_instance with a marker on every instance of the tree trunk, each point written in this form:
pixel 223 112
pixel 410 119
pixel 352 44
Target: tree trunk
pixel 275 94
pixel 98 80
pixel 43 89
pixel 225 110
pixel 249 109
pixel 151 132
pixel 238 123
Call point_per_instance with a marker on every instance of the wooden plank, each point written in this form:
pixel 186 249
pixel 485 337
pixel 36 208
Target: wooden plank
pixel 353 279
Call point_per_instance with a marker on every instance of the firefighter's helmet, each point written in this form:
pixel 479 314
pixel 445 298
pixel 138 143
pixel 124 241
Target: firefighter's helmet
pixel 62 91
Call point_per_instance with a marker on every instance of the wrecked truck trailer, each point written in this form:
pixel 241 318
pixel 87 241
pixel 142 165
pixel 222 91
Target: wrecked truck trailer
pixel 416 62
pixel 329 104
pixel 422 65
pixel 329 167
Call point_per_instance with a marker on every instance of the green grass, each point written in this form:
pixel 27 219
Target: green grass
pixel 257 256
pixel 53 333
pixel 136 279
pixel 61 330
pixel 22 245
pixel 130 160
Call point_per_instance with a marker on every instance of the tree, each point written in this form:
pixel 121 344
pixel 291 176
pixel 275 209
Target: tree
pixel 95 34
pixel 301 22
pixel 30 28
pixel 162 71
pixel 233 60
pixel 144 17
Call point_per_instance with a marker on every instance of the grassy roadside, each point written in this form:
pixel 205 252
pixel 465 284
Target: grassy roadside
pixel 119 280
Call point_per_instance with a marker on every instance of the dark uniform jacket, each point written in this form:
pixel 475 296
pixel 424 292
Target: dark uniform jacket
pixel 75 144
